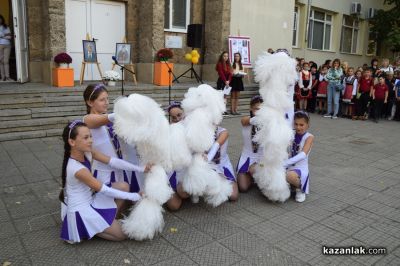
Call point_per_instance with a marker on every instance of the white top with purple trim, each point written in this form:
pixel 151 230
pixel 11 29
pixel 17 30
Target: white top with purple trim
pixel 248 153
pixel 224 167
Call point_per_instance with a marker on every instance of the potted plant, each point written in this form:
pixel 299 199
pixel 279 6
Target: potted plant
pixel 111 77
pixel 63 60
pixel 161 75
pixel 63 75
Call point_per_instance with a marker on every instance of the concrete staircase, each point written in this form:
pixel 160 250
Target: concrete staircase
pixel 36 110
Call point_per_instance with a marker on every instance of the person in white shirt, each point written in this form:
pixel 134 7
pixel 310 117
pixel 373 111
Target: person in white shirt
pixel 5 50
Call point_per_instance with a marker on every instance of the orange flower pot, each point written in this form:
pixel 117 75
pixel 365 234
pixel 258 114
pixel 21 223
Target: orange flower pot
pixel 161 75
pixel 63 77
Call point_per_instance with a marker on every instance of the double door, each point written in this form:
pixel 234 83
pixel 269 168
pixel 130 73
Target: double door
pixel 104 21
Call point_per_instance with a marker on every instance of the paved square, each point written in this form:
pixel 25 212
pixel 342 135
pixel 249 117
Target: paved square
pixel 354 200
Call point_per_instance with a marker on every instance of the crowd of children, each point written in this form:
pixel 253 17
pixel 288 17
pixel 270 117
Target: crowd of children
pixel 334 89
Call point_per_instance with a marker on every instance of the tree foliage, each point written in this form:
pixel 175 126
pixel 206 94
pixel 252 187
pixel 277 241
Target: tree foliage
pixel 386 25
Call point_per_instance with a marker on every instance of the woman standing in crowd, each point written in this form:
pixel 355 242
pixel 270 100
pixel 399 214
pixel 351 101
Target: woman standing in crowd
pixel 236 83
pixel 224 70
pixel 334 78
pixel 5 50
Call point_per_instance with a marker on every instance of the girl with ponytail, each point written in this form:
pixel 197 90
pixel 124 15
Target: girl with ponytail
pixel 85 214
pixel 106 141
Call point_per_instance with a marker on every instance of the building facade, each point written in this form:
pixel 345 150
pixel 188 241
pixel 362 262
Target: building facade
pixel 44 28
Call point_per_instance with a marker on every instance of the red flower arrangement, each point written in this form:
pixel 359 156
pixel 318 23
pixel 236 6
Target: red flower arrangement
pixel 63 58
pixel 164 54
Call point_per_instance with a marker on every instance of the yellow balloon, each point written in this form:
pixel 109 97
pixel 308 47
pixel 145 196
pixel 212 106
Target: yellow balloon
pixel 194 53
pixel 196 56
pixel 188 57
pixel 195 60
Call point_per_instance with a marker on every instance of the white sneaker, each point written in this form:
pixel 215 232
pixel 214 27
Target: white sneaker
pixel 334 117
pixel 300 196
pixel 327 116
pixel 195 199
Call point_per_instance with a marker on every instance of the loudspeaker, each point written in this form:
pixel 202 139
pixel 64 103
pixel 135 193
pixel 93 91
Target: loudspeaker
pixel 194 35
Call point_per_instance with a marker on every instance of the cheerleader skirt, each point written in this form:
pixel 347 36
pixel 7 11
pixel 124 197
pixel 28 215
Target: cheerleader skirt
pixel 86 221
pixel 304 178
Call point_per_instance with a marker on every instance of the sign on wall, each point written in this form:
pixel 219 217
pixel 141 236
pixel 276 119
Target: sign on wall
pixel 240 44
pixel 173 41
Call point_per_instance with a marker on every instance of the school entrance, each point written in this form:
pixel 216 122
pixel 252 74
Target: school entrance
pixel 104 22
pixel 14 13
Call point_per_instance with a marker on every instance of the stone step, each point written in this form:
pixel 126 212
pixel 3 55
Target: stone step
pixel 40 111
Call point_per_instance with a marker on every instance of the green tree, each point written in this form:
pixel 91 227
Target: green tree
pixel 386 25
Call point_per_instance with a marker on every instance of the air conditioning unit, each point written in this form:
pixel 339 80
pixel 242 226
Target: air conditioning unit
pixel 355 8
pixel 371 13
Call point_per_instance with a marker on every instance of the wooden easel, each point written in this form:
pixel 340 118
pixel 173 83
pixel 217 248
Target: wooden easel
pixel 127 66
pixel 84 64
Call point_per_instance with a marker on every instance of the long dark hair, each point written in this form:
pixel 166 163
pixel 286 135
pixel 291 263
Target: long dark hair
pixel 240 61
pixel 91 93
pixel 70 132
pixel 3 22
pixel 226 64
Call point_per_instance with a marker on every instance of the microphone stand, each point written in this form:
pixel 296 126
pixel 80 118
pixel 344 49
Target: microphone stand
pixel 170 73
pixel 122 74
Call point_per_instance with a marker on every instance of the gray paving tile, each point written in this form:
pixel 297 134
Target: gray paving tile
pixel 150 252
pixel 180 260
pixel 188 239
pixel 7 230
pixel 91 250
pixel 49 237
pixel 377 238
pixel 300 247
pixel 328 204
pixel 324 260
pixel 380 209
pixel 389 260
pixel 322 234
pixel 275 256
pixel 312 213
pixel 342 224
pixel 243 218
pixel 271 232
pixel 12 247
pixel 292 221
pixel 58 255
pixel 31 224
pixel 217 229
pixel 245 244
pixel 266 209
pixel 195 214
pixel 214 254
pixel 17 260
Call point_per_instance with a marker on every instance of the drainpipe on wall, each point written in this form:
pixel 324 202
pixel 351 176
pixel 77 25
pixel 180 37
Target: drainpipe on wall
pixel 203 43
pixel 307 25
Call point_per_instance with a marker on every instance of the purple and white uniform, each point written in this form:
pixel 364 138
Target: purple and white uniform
pixel 174 178
pixel 84 215
pixel 136 179
pixel 107 142
pixel 301 167
pixel 251 152
pixel 221 159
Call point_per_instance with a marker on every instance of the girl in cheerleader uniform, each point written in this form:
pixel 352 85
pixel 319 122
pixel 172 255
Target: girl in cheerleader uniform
pixel 175 112
pixel 350 84
pixel 297 173
pixel 219 155
pixel 322 88
pixel 251 151
pixel 305 84
pixel 89 207
pixel 106 141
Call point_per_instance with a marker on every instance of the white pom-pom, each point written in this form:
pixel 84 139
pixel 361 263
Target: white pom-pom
pixel 144 221
pixel 156 185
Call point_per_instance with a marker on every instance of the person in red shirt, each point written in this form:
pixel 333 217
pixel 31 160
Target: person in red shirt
pixel 224 70
pixel 379 96
pixel 365 88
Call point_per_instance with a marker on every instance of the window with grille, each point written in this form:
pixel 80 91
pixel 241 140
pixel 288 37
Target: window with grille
pixel 295 26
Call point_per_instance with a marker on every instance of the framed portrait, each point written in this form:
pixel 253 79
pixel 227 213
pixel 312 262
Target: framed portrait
pixel 89 51
pixel 123 53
